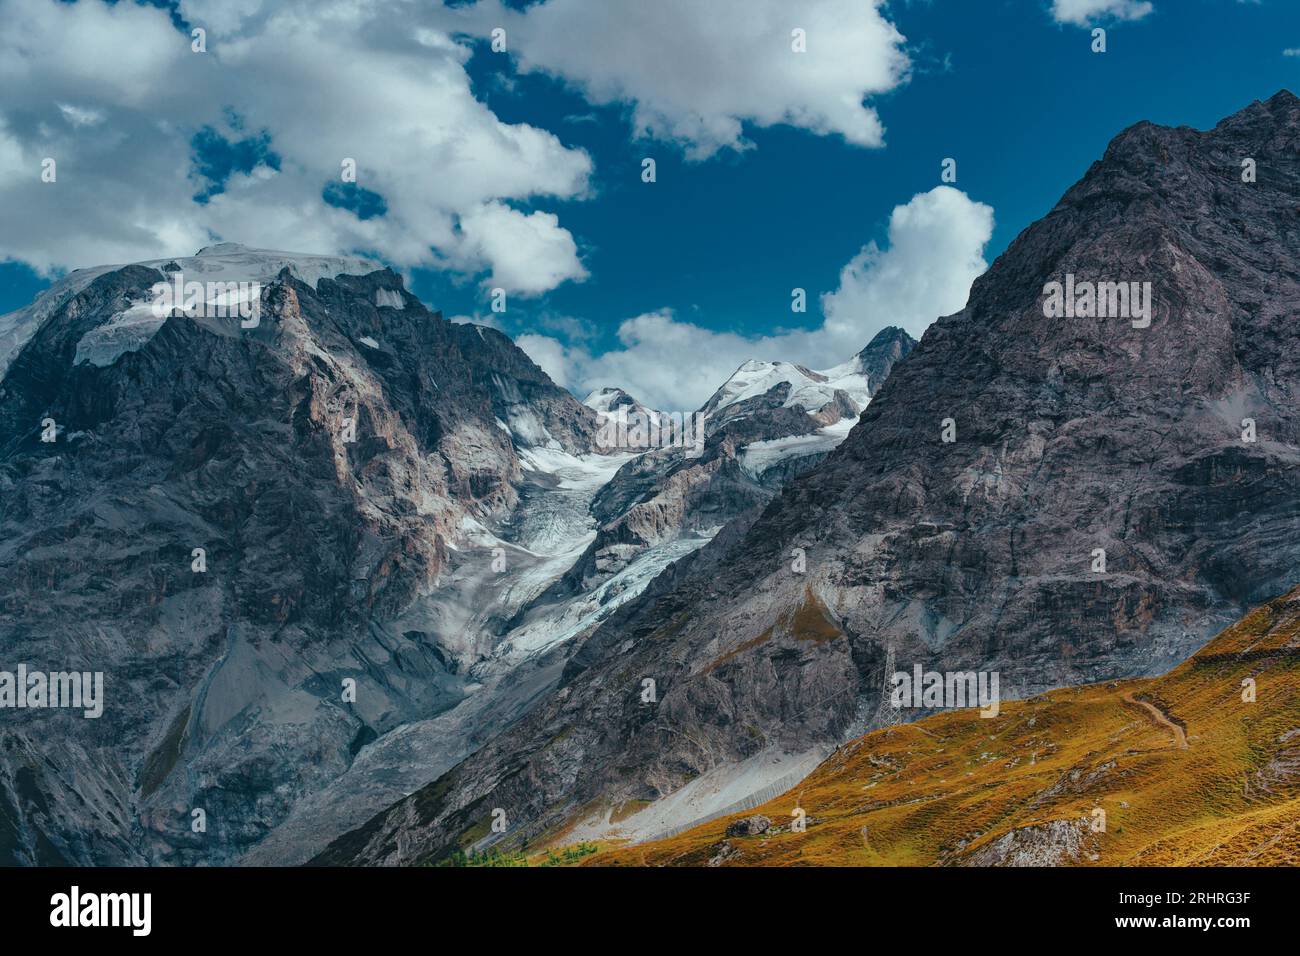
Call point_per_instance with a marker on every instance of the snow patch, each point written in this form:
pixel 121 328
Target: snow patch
pixel 602 400
pixel 124 332
pixel 224 262
pixel 576 615
pixel 757 457
pixel 528 428
pixel 389 298
pixel 574 472
pixel 808 388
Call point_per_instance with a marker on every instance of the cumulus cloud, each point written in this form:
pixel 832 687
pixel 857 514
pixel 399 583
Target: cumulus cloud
pixel 552 357
pixel 935 250
pixel 530 254
pixel 1084 13
pixel 114 94
pixel 660 360
pixel 697 72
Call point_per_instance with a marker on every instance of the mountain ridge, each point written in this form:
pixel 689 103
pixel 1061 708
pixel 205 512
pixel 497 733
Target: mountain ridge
pixel 975 553
pixel 236 517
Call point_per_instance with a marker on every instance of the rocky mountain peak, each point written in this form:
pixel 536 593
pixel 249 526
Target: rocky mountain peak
pixel 231 518
pixel 889 346
pixel 1123 472
pixel 610 399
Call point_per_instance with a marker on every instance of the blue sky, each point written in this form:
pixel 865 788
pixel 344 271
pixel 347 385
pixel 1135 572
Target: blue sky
pixel 1020 101
pixel 716 244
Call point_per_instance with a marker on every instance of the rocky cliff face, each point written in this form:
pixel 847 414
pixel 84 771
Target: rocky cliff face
pixel 237 526
pixel 1060 499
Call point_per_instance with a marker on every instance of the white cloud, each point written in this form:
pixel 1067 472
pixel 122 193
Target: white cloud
pixel 935 251
pixel 114 94
pixel 530 254
pixel 1084 13
pixel 220 17
pixel 698 70
pixel 550 355
pixel 667 363
pixel 79 117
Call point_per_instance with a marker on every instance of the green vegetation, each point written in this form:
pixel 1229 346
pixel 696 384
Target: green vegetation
pixel 492 857
pixel 567 856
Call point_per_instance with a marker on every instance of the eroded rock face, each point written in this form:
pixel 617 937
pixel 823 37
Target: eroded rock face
pixel 325 462
pixel 1056 843
pixel 1070 435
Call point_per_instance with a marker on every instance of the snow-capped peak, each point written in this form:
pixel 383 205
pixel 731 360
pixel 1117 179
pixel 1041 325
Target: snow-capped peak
pixel 223 262
pixel 858 378
pixel 610 399
pixel 808 388
pixel 233 262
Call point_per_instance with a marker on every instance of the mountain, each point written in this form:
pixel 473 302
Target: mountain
pixel 604 401
pixel 1115 491
pixel 767 423
pixel 1180 770
pixel 768 384
pixel 315 554
pixel 637 511
pixel 888 347
pixel 829 396
pixel 231 522
pixel 225 261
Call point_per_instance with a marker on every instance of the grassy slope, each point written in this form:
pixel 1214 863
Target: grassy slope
pixel 957 788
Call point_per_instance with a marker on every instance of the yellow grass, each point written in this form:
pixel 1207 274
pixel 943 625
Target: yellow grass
pixel 940 790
